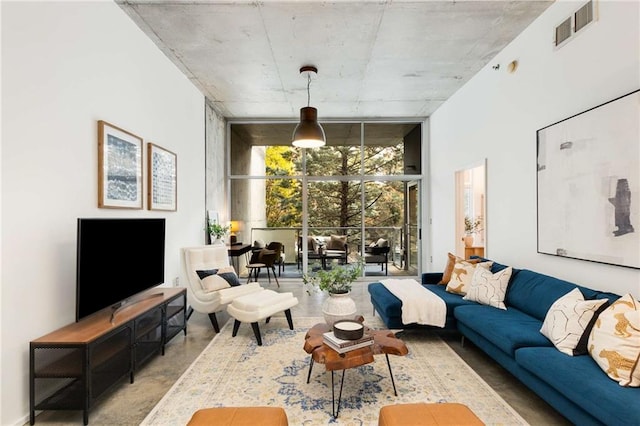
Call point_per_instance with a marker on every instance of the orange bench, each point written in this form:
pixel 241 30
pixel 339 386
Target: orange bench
pixel 239 416
pixel 427 414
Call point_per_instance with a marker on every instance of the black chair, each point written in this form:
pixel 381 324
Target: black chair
pixel 263 258
pixel 378 253
pixel 278 247
pixel 312 250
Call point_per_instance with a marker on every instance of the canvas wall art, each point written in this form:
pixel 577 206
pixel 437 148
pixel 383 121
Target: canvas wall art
pixel 163 178
pixel 588 184
pixel 119 168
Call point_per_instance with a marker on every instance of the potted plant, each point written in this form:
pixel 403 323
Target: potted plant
pixel 470 228
pixel 217 231
pixel 337 282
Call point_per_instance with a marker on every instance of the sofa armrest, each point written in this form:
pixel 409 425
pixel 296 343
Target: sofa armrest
pixel 431 277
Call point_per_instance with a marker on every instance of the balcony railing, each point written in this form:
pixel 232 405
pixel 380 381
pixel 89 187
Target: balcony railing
pixel 289 237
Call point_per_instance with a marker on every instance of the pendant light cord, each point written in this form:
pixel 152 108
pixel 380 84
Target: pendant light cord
pixel 308 92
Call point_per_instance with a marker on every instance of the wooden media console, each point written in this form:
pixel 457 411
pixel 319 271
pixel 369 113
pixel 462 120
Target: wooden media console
pixel 70 368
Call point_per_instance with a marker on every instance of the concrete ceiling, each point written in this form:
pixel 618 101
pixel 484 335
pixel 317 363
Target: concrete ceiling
pixel 384 58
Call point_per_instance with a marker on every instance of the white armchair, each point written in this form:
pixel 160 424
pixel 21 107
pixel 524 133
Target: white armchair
pixel 205 258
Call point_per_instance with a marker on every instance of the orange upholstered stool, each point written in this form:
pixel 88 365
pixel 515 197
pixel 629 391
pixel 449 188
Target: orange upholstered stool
pixel 427 414
pixel 239 416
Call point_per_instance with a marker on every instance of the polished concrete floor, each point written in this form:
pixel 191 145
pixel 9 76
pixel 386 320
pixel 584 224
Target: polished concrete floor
pixel 128 404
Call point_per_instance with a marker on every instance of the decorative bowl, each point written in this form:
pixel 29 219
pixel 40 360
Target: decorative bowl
pixel 348 330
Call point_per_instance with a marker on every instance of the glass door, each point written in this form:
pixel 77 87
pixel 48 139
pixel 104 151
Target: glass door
pixel 412 238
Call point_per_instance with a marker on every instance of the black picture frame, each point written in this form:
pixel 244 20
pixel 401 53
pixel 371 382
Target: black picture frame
pixel 588 184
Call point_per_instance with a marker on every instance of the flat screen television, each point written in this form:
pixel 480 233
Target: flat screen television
pixel 117 259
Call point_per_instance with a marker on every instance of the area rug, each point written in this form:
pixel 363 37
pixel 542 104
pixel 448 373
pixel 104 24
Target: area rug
pixel 235 371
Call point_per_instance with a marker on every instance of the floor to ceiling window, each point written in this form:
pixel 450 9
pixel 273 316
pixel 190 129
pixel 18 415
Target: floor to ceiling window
pixel 357 189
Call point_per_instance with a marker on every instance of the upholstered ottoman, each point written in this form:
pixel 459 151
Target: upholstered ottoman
pixel 427 414
pixel 239 416
pixel 258 306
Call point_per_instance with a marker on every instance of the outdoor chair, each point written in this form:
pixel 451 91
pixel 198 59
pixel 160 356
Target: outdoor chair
pixel 336 248
pixel 312 247
pixel 378 252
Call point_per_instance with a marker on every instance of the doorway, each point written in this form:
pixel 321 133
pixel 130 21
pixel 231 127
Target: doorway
pixel 471 218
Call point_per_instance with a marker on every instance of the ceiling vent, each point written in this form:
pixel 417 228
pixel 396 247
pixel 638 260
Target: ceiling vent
pixel 583 16
pixel 563 32
pixel 574 23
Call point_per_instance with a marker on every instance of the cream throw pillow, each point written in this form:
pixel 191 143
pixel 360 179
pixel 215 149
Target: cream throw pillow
pixel 462 274
pixel 614 342
pixel 489 289
pixel 568 319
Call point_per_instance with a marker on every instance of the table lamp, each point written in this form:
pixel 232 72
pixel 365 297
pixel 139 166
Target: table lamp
pixel 234 227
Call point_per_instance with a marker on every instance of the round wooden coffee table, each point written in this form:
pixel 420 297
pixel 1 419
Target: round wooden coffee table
pixel 384 342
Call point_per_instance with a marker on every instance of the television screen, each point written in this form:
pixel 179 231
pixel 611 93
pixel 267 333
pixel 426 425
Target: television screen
pixel 116 259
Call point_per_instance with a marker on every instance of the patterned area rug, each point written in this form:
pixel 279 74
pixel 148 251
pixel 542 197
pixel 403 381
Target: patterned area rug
pixel 234 371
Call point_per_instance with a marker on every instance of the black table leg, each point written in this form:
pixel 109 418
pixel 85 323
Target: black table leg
pixel 333 397
pixel 391 375
pixel 335 411
pixel 340 395
pixel 310 367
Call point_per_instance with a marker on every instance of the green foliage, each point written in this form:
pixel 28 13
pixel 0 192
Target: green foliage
pixel 337 280
pixel 282 201
pixel 218 230
pixel 335 203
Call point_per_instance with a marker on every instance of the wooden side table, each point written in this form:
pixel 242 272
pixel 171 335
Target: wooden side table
pixel 384 342
pixel 473 251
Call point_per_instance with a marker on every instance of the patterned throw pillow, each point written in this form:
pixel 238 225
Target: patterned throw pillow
pixel 569 321
pixel 462 274
pixel 489 289
pixel 451 262
pixel 217 279
pixel 614 342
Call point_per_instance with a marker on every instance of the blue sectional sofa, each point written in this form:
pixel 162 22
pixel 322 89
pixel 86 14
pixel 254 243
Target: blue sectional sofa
pixel 575 386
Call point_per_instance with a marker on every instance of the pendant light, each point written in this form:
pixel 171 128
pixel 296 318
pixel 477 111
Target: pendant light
pixel 308 133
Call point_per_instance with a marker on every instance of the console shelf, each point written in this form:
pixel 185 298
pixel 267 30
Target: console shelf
pixel 70 368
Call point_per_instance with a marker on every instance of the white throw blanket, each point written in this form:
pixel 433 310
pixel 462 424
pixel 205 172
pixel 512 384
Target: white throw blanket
pixel 419 305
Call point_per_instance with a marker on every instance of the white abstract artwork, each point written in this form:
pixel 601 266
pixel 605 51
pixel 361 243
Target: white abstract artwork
pixel 588 184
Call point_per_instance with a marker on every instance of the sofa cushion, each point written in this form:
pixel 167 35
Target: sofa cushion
pixel 534 293
pixel 389 306
pixel 614 342
pixel 461 276
pixel 451 299
pixel 580 379
pixel 508 329
pixel 488 288
pixel 569 319
pixel 451 263
pixel 495 266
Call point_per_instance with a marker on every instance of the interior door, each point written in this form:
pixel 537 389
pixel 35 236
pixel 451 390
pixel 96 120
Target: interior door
pixel 471 209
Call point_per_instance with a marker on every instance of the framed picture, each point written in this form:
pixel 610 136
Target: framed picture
pixel 163 178
pixel 119 168
pixel 588 184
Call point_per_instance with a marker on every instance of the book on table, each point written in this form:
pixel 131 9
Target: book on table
pixel 342 346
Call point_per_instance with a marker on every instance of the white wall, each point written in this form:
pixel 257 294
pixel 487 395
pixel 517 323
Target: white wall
pixel 64 67
pixel 496 115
